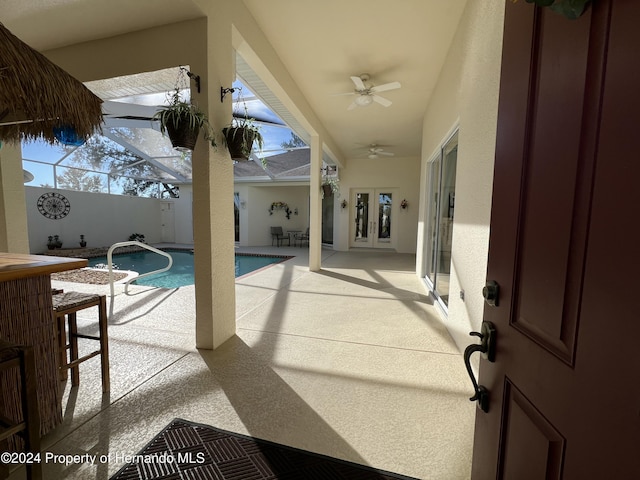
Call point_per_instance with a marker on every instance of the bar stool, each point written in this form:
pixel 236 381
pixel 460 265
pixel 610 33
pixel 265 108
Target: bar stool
pixel 21 357
pixel 66 304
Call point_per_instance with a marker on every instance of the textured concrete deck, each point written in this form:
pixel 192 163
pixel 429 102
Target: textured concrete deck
pixel 352 361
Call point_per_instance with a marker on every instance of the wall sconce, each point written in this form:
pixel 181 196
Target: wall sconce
pixel 295 211
pixel 404 204
pixel 243 204
pixel 344 204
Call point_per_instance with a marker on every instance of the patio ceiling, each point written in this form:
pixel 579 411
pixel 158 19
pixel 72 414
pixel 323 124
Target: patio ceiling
pixel 130 103
pixel 321 43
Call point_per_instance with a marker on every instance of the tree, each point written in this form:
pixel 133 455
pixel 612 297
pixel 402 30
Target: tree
pixel 104 155
pixel 294 142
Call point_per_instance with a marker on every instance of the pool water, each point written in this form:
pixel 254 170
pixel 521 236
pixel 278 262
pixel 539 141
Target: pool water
pixel 181 272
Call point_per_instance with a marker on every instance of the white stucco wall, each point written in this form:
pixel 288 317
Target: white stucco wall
pixel 102 218
pixel 467 95
pixel 184 215
pixel 255 220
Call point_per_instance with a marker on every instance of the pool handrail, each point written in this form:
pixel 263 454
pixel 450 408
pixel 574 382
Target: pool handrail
pixel 139 244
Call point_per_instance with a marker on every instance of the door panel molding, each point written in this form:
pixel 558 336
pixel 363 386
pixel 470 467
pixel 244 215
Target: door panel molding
pixel 558 162
pixel 534 448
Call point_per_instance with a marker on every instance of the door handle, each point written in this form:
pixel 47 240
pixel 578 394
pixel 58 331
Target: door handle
pixel 487 348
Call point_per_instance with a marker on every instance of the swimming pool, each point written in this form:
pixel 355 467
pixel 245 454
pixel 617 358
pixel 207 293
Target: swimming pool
pixel 181 272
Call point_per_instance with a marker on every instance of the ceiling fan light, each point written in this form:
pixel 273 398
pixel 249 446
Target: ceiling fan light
pixel 363 100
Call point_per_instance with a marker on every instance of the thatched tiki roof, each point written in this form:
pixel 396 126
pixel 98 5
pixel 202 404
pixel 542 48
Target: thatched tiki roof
pixel 37 95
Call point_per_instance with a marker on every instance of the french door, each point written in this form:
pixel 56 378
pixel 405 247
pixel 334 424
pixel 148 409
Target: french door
pixel 372 212
pixel 442 194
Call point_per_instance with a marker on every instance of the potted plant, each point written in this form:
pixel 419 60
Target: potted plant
pixel 182 122
pixel 137 237
pixel 241 135
pixel 330 186
pixel 82 241
pixel 50 243
pixel 57 242
pixel 571 9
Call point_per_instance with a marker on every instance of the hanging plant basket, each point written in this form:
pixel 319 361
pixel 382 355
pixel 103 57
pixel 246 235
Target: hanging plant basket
pixel 240 142
pixel 326 189
pixel 182 120
pixel 241 134
pixel 183 136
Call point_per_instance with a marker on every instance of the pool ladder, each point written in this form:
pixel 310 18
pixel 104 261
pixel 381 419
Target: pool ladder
pixel 126 284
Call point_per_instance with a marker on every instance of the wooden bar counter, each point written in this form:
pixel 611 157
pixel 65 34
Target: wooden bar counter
pixel 26 318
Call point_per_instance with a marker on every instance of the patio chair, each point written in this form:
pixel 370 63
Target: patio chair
pixel 278 236
pixel 302 237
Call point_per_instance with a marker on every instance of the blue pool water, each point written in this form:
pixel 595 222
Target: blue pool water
pixel 181 272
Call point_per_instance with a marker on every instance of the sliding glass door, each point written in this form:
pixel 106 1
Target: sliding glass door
pixel 439 228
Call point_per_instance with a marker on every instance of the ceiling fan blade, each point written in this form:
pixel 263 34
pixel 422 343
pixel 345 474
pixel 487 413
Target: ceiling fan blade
pixel 353 106
pixel 382 101
pixel 385 87
pixel 343 94
pixel 388 154
pixel 357 81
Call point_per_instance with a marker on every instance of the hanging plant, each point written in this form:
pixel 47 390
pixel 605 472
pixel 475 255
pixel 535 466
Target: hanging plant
pixel 330 186
pixel 182 121
pixel 571 9
pixel 241 135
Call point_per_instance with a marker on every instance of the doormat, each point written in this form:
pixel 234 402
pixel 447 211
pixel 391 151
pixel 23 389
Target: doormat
pixel 187 450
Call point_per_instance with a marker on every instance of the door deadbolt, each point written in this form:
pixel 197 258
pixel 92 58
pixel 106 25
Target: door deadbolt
pixel 491 292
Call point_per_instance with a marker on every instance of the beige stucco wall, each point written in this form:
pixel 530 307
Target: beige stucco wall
pixel 401 176
pixel 205 45
pixel 13 220
pixel 467 95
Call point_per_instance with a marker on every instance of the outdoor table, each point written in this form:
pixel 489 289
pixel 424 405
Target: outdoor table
pixel 292 236
pixel 26 318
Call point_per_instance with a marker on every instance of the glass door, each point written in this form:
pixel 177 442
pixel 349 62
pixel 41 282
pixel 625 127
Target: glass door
pixel 439 234
pixel 372 213
pixel 327 219
pixel 362 227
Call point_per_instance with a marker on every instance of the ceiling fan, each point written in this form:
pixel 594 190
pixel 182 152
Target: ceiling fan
pixel 376 150
pixel 367 94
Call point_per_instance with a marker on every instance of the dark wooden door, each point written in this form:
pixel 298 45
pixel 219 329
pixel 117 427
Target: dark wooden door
pixel 565 384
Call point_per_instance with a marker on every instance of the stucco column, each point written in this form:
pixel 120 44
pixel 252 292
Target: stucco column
pixel 315 215
pixel 14 236
pixel 213 223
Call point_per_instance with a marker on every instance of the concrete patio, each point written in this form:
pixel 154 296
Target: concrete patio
pixel 352 362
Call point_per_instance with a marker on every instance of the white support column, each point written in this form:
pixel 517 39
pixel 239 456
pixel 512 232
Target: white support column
pixel 315 215
pixel 213 224
pixel 14 236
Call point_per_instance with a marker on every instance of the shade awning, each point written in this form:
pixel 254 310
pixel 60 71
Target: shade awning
pixel 37 96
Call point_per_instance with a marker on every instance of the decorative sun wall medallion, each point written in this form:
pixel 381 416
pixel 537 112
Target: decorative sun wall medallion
pixel 54 205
